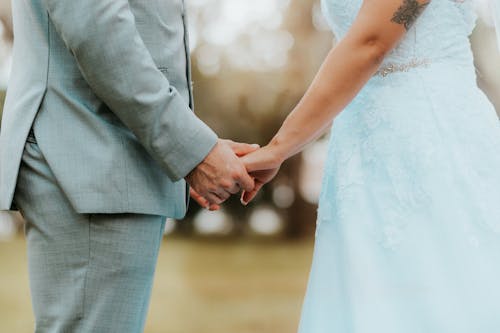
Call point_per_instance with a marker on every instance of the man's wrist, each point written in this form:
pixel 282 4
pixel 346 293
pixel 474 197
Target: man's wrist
pixel 190 173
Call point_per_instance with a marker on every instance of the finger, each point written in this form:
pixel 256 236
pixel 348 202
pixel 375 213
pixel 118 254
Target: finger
pixel 242 149
pixel 204 202
pixel 221 194
pixel 247 197
pixel 256 161
pixel 198 198
pixel 214 199
pixel 234 189
pixel 214 207
pixel 246 182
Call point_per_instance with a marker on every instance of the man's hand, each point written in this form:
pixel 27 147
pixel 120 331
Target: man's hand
pixel 221 174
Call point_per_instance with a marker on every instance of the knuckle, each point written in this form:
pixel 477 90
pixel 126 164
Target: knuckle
pixel 196 191
pixel 212 198
pixel 226 184
pixel 236 174
pixel 234 189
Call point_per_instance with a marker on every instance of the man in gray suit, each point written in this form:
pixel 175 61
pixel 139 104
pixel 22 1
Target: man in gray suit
pixel 96 141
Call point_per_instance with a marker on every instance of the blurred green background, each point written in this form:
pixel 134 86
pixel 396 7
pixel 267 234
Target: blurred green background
pixel 241 269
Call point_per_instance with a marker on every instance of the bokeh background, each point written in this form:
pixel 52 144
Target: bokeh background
pixel 240 269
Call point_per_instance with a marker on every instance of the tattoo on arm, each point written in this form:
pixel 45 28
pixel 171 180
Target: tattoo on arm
pixel 408 13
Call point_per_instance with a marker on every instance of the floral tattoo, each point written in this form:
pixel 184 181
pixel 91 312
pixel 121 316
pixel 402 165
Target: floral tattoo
pixel 408 13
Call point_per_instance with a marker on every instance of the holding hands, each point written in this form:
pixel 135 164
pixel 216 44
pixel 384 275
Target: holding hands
pixel 221 174
pixel 231 168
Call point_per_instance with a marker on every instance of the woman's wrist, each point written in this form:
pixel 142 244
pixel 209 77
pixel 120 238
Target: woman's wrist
pixel 279 149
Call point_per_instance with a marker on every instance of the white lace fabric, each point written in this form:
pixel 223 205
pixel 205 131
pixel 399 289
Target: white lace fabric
pixel 408 235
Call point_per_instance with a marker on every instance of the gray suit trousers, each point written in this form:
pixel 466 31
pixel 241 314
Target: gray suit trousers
pixel 88 272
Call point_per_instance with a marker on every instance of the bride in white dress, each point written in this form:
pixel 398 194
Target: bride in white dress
pixel 408 237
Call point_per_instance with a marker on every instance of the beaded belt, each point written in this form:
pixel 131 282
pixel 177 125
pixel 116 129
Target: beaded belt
pixel 394 68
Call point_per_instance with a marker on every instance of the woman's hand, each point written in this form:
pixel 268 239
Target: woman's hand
pixel 262 165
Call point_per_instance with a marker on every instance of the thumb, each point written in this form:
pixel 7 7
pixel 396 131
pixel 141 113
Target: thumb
pixel 246 182
pixel 247 197
pixel 261 159
pixel 242 149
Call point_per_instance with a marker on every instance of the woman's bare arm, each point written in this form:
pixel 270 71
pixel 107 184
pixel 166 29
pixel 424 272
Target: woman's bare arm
pixel 378 28
pixel 380 25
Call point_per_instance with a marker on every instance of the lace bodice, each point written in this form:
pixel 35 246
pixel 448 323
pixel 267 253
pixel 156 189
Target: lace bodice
pixel 441 32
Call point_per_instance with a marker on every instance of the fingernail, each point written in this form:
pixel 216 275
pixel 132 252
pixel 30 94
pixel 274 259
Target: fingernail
pixel 255 145
pixel 243 202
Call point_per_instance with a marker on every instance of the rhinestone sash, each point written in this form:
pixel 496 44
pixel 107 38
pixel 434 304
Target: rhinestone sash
pixel 394 68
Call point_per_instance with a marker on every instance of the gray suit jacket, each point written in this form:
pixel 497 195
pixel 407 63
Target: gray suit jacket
pixel 105 84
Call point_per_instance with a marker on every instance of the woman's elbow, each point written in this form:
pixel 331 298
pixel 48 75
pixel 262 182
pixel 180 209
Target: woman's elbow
pixel 376 49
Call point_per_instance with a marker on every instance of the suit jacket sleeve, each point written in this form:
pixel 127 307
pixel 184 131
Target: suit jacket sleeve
pixel 113 59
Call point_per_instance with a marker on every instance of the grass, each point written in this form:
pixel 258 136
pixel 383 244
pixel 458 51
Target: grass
pixel 200 286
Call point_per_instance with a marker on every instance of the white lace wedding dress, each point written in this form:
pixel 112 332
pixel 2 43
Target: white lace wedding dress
pixel 408 237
